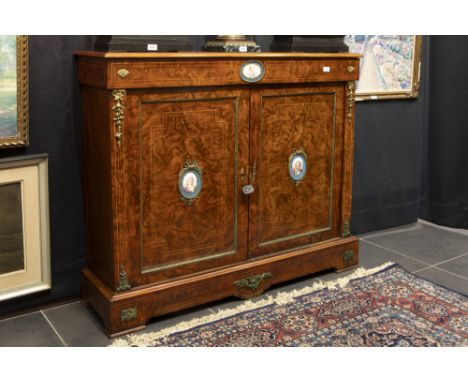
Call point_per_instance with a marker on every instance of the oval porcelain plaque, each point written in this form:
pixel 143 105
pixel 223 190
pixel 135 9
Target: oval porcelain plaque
pixel 190 183
pixel 297 166
pixel 252 71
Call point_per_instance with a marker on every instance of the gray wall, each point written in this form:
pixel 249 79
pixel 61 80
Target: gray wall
pixel 388 159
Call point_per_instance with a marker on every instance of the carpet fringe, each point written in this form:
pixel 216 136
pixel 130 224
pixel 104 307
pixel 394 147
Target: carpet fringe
pixel 281 298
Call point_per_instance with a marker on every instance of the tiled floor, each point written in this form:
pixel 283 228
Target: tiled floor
pixel 434 253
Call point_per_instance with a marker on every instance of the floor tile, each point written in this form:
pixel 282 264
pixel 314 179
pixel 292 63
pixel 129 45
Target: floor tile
pixel 427 244
pixel 456 230
pixel 459 266
pixel 77 325
pixel 372 255
pixel 393 230
pixel 28 330
pixel 445 279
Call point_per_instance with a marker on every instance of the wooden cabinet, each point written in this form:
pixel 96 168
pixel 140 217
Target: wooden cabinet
pixel 171 140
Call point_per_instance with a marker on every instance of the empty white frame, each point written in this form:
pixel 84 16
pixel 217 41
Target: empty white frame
pixel 24 226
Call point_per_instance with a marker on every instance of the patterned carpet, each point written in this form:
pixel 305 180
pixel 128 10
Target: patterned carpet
pixel 389 307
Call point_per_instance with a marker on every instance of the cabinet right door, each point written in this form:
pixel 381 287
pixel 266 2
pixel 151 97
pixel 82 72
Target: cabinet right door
pixel 297 157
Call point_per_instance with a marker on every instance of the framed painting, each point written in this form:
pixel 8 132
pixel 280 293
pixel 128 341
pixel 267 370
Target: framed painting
pixel 24 226
pixel 390 65
pixel 14 112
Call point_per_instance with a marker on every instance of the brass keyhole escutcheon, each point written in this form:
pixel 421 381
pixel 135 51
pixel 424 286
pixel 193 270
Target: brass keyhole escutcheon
pixel 123 73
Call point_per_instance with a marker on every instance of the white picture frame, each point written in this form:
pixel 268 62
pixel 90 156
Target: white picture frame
pixel 25 183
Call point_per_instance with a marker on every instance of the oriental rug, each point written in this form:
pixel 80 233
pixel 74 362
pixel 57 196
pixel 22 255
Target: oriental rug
pixel 384 306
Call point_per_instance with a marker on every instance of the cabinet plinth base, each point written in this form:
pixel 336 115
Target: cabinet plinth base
pixel 129 311
pixel 124 332
pixel 346 269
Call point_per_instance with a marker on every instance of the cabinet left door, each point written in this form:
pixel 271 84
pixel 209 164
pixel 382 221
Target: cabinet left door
pixel 183 152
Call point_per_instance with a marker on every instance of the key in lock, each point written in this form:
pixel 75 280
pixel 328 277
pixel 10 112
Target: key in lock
pixel 247 189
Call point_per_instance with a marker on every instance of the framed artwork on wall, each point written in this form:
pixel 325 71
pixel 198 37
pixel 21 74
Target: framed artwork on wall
pixel 24 226
pixel 390 65
pixel 14 110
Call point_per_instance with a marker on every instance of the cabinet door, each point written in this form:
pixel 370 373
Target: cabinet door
pixel 297 149
pixel 186 149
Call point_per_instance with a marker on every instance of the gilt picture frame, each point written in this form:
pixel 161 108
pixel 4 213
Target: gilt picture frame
pixel 14 91
pixel 390 66
pixel 24 226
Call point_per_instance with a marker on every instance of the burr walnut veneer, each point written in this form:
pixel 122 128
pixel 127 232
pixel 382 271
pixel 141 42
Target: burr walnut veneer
pixel 152 118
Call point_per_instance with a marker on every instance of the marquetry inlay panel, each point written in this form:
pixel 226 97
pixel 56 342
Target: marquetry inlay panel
pixel 295 121
pixel 172 132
